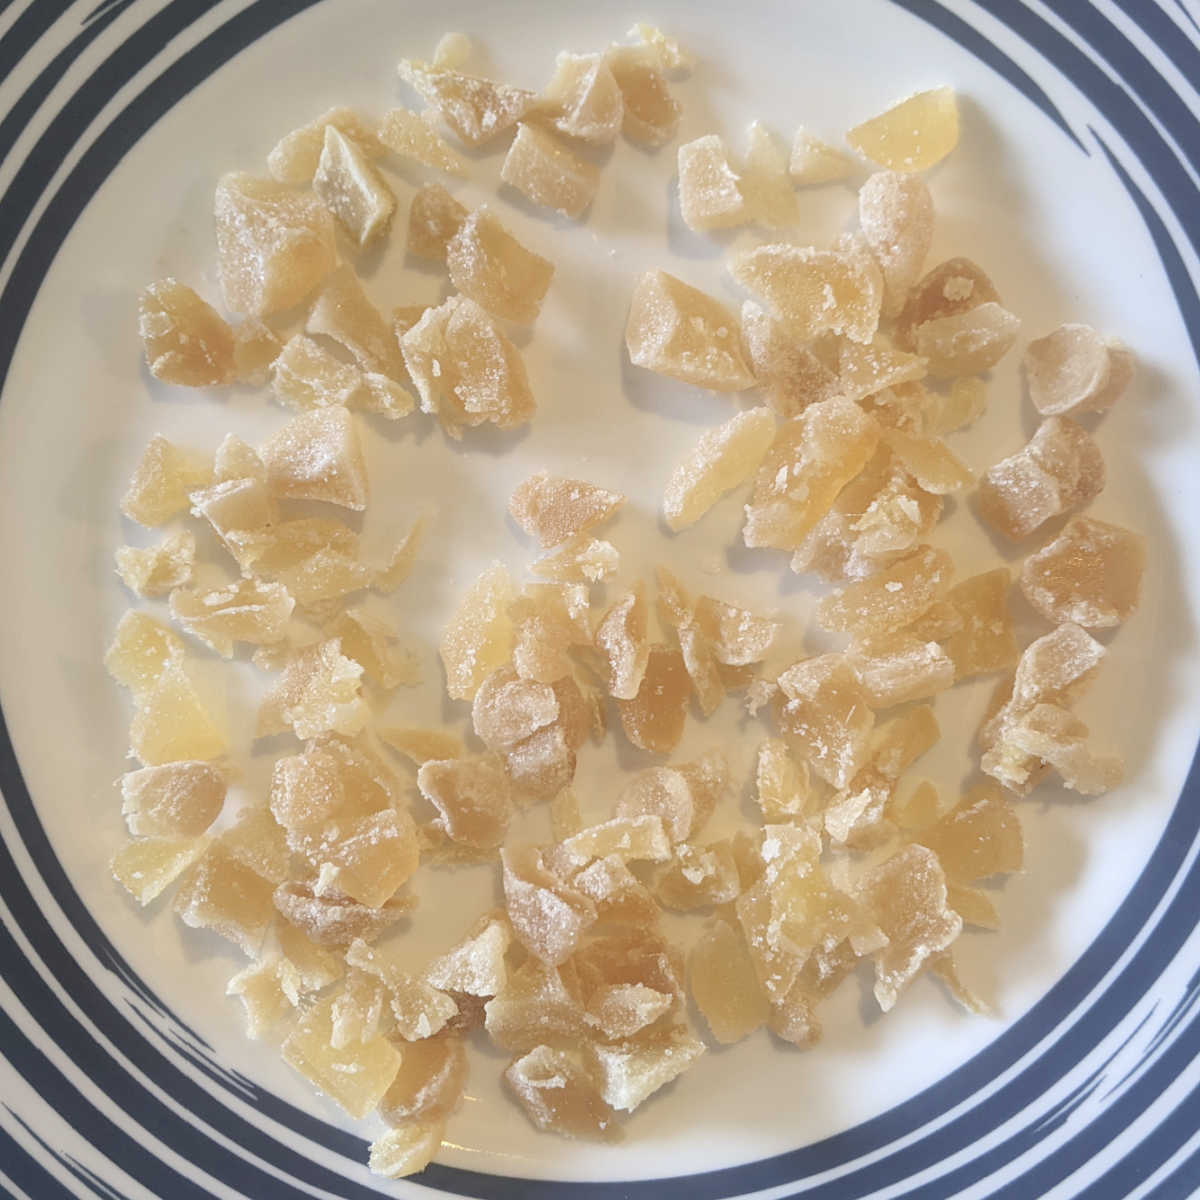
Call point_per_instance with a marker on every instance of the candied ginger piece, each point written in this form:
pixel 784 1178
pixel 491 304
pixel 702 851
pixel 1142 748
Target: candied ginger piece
pixel 335 920
pixel 421 745
pixel 554 509
pixel 315 966
pixel 255 348
pixel 508 709
pixel 782 783
pixel 629 837
pixel 618 894
pixel 725 985
pixel 247 611
pixel 950 289
pixel 296 155
pixel 814 161
pixel 896 215
pixel 814 291
pixel 791 375
pixel 894 597
pixel 1059 470
pixel 827 716
pixel 710 189
pixel 583 99
pixel 654 719
pixel 155 570
pixel 932 463
pixel 350 187
pixel 412 135
pixel 478 110
pixel 738 638
pixel 979 837
pixel 670 55
pixel 765 182
pixel 223 894
pixel 473 797
pixel 372 643
pixel 1056 667
pixel 145 868
pixel 357 1076
pixel 360 1010
pixel 274 244
pixel 906 895
pixel 898 742
pixel 407 1149
pixel 678 330
pixel 1051 735
pixel 164 479
pixel 430 1082
pixel 968 342
pixel 476 965
pixel 632 1071
pixel 1090 575
pixel 722 460
pixel 558 1093
pixel 650 113
pixel 677 610
pixel 491 267
pixel 419 1010
pixel 434 218
pixel 319 692
pixel 548 916
pixel 541 765
pixel 622 1010
pixel 984 640
pixel 177 799
pixel 1074 370
pixel 666 793
pixel 171 722
pixel 581 560
pixel 540 1003
pixel 388 579
pixel 186 340
pixel 913 134
pixel 343 312
pixel 317 456
pixel 866 370
pixel 141 650
pixel 961 407
pixel 898 667
pixel 700 876
pixel 621 640
pixel 375 857
pixel 268 992
pixel 478 639
pixel 258 841
pixel 542 168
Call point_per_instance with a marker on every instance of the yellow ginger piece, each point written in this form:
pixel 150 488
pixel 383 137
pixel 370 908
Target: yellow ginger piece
pixel 155 570
pixel 353 190
pixel 413 135
pixel 912 135
pixel 296 155
pixel 318 456
pixel 583 99
pixel 478 639
pixel 319 692
pixel 186 341
pixel 163 481
pixel 549 173
pixel 478 110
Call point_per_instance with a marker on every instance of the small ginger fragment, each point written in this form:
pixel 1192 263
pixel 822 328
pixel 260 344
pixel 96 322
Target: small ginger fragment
pixel 433 219
pixel 421 745
pixel 782 783
pixel 155 570
pixel 475 966
pixel 352 189
pixel 255 348
pixel 142 648
pixel 765 181
pixel 677 330
pixel 412 135
pixel 507 709
pixel 548 916
pixel 632 1071
pixel 186 341
pixel 814 161
pixel 913 134
pixel 984 639
pixel 172 723
pixel 478 110
pixel 892 598
pixel 555 509
pixel 407 1149
pixel 950 289
pixel 544 169
pixel 268 990
pixel 898 667
pixel 478 638
pixel 724 984
pixel 1090 575
pixel 472 796
pixel 710 188
pixel 581 560
pixel 490 266
pixel 895 212
pixel 165 477
pixel 249 611
pixel 539 1004
pixel 978 838
pixel 296 155
pixel 559 1093
pixel 374 644
pixel 621 640
pixel 699 877
pixel 335 920
pixel 318 456
pixel 221 893
pixel 305 376
pixel 968 342
pixel 177 799
pixel 319 692
pixel 1074 370
pixel 654 719
pixel 792 376
pixel 650 113
pixel 665 793
pixel 429 1083
pixel 583 99
pixel 146 867
pixel 935 467
pixel 342 311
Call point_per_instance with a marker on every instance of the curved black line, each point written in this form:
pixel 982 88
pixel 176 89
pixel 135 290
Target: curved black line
pixel 25 1170
pixel 85 1175
pixel 1180 1184
pixel 27 30
pixel 1164 33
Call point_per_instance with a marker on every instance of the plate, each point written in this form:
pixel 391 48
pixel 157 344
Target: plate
pixel 125 1071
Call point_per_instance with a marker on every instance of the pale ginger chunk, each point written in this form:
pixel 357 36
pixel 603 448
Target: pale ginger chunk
pixel 710 188
pixel 912 135
pixel 490 266
pixel 375 856
pixel 429 1083
pixel 419 1011
pixel 319 581
pixel 968 342
pixel 932 463
pixel 318 456
pixel 372 643
pixel 319 692
pixel 541 765
pixel 621 640
pixel 546 171
pixel 315 966
pixel 725 985
pixel 1091 574
pixel 559 1093
pixel 473 797
pixel 142 649
pixel 722 460
pixel 581 560
pixel 296 155
pixel 186 340
pixel 895 213
pixel 791 375
pixel 906 895
pixel 765 182
pixel 650 113
pixel 738 637
pixel 163 481
pixel 548 916
pixel 258 841
pixel 343 312
pixel 335 920
pixel 268 991
pixel 466 370
pixel 700 876
pixel 827 717
pixel 583 99
pixel 478 639
pixel 407 1149
pixel 508 709
pixel 352 189
pixel 316 794
pixel 549 620
pixel 783 785
pixel 898 742
pixel 632 1071
pixel 1052 736
pixel 959 408
pixel 891 599
pixel 361 1011
pixel 671 56
pixel 478 110
pixel 247 611
pixel 1059 470
pixel 898 667
pixel 433 219
pixel 221 893
pixel 814 291
pixel 984 639
pixel 476 966
pixel 678 330
pixel 814 161
pixel 654 719
pixel 623 1010
pixel 155 570
pixel 950 289
pixel 387 579
pixel 178 799
pixel 555 509
pixel 171 722
pixel 274 244
pixel 978 838
pixel 356 1076
pixel 618 894
pixel 629 837
pixel 668 794
pixel 539 1004
pixel 677 610
pixel 1074 370
pixel 867 370
pixel 145 868
pixel 412 135
pixel 421 745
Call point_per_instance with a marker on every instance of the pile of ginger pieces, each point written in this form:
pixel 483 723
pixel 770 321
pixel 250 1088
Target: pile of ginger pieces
pixel 862 361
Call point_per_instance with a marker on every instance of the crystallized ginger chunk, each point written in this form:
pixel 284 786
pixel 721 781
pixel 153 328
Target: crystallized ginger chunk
pixel 1075 369
pixel 724 984
pixel 490 266
pixel 950 289
pixel 814 161
pixel 407 1149
pixel 710 189
pixel 668 794
pixel 932 463
pixel 319 692
pixel 475 966
pixel 700 876
pixel 318 456
pixel 621 640
pixel 583 99
pixel 372 643
pixel 629 837
pixel 1091 574
pixel 984 639
pixel 352 189
pixel 163 481
pixel 539 1004
pixel 433 219
pixel 634 1070
pixel 145 868
pixel 268 992
pixel 374 856
pixel 221 893
pixel 429 1083
pixel 559 1093
pixel 650 113
pixel 581 560
pixel 554 509
pixel 968 342
pixel 894 597
pixel 546 171
pixel 155 570
pixel 791 375
pixel 412 135
pixel 898 667
pixel 765 183
pixel 177 799
pixel 547 915
pixel 296 155
pixel 678 330
pixel 895 213
pixel 478 639
pixel 421 745
pixel 654 719
pixel 335 920
pixel 979 837
pixel 782 783
pixel 507 709
pixel 141 650
pixel 247 611
pixel 186 341
pixel 171 722
pixel 478 110
pixel 473 799
pixel 912 135
pixel 343 312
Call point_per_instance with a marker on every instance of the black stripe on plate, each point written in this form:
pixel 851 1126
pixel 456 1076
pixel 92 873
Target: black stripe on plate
pixel 24 1170
pixel 27 30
